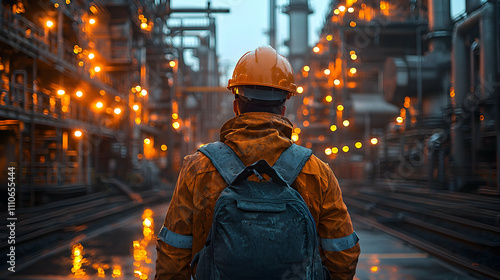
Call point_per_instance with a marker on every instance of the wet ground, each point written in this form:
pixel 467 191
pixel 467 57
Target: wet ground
pixel 110 254
pixel 386 257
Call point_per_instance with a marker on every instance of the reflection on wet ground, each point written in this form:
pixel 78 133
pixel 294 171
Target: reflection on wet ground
pixel 126 251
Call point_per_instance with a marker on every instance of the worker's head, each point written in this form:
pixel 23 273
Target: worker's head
pixel 262 81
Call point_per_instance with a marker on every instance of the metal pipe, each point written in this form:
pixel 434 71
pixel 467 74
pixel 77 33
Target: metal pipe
pixel 484 17
pixel 474 124
pixel 487 54
pixel 272 23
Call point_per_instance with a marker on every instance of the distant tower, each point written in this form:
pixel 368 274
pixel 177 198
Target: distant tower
pixel 298 10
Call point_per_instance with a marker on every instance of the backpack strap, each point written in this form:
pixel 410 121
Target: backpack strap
pixel 224 159
pixel 291 161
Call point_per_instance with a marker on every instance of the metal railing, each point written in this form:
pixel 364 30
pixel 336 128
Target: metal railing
pixel 44 104
pixel 42 41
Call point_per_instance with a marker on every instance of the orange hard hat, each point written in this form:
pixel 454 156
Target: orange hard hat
pixel 264 67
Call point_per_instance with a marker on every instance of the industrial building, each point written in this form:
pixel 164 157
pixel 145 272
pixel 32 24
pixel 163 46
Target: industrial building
pixel 99 89
pixel 399 90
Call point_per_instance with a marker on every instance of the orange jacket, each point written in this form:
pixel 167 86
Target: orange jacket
pixel 252 136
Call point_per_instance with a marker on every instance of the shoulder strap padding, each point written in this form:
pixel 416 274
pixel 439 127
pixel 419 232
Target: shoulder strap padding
pixel 224 159
pixel 291 161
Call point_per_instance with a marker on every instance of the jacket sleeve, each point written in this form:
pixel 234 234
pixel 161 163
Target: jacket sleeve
pixel 175 238
pixel 339 242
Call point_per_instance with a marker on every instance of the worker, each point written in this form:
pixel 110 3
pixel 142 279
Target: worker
pixel 261 82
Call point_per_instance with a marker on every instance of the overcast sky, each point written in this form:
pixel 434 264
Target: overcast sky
pixel 244 28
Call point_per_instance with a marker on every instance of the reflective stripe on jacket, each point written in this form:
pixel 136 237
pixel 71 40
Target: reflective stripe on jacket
pixel 252 136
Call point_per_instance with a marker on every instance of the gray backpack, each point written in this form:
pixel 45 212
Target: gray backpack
pixel 260 230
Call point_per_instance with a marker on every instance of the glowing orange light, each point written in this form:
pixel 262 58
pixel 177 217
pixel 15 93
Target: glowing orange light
pixel 49 23
pixel 374 141
pixel 352 24
pixel 135 107
pixel 97 69
pixel 305 123
pixel 61 92
pixel 295 137
pixel 137 121
pixel 91 56
pixel 164 147
pixel 297 130
pixel 117 271
pixel 79 93
pixel 300 89
pixel 144 25
pixel 118 98
pixel 92 21
pixel 328 98
pixel 481 118
pixel 78 260
pixel 78 133
pixel 80 63
pixel 99 104
pixel 147 222
pixel 374 269
pixel 118 111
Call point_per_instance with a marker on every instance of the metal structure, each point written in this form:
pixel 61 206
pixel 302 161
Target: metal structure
pixel 94 90
pixel 419 84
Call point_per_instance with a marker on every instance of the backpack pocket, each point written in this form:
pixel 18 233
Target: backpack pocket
pixel 259 206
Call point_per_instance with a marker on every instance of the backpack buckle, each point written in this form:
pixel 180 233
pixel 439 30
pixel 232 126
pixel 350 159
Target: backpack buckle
pixel 258 175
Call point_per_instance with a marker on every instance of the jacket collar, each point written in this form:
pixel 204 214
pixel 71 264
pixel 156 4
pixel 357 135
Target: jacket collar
pixel 253 133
